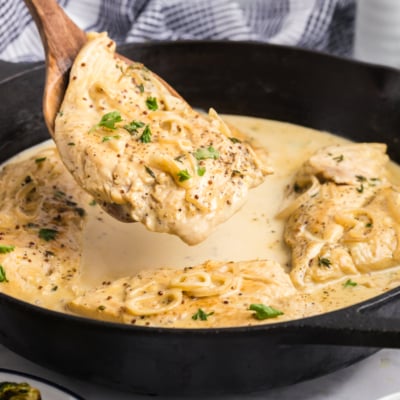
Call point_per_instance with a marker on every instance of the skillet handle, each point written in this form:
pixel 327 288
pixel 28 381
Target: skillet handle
pixel 373 323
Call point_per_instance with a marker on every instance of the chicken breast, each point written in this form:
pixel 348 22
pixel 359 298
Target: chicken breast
pixel 144 153
pixel 171 297
pixel 340 164
pixel 343 219
pixel 41 220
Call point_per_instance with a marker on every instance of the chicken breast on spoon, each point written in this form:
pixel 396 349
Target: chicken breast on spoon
pixel 144 153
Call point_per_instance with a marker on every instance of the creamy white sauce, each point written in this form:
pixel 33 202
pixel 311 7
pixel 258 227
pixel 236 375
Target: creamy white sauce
pixel 253 233
pixel 112 249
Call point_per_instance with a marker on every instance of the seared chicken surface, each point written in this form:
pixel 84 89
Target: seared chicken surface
pixel 144 153
pixel 345 217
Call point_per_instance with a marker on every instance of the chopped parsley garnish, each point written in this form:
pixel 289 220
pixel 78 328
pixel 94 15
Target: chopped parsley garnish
pixel 203 154
pixel 179 158
pixel 361 178
pixel 54 288
pixel 141 88
pixel 183 175
pixel 201 171
pixel 234 140
pixel 133 126
pixel 201 315
pixel 360 189
pixel 368 225
pixel 109 120
pixel 71 144
pixel 59 194
pixel 264 312
pixel 146 135
pixel 236 172
pixel 40 160
pixel 151 103
pixel 373 181
pixel 339 158
pixel 326 262
pixel 6 249
pixel 117 66
pixel 47 234
pixel 93 202
pixel 349 282
pixel 80 211
pixel 108 138
pixel 3 277
pixel 70 203
pixel 150 171
pixel 101 308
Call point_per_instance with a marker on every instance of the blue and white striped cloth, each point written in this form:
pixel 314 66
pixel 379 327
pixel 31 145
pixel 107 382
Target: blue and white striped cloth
pixel 324 25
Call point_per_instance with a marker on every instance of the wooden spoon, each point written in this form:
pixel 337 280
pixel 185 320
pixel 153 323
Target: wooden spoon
pixel 62 40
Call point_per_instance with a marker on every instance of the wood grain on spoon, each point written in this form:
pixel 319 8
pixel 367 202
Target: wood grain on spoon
pixel 62 40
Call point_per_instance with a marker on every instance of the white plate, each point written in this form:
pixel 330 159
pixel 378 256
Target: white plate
pixel 393 396
pixel 47 389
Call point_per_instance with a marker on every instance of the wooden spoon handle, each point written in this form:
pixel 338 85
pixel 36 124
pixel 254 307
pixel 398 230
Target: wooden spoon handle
pixel 62 40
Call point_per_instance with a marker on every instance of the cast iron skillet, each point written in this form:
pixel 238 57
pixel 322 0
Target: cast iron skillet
pixel 355 100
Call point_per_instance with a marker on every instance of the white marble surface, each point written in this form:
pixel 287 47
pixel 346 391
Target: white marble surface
pixel 369 379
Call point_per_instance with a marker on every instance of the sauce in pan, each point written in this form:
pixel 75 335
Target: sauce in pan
pixel 60 250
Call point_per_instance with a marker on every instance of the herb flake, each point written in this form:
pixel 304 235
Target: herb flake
pixel 201 171
pixel 150 172
pixel 133 126
pixel 4 249
pixel 47 234
pixel 109 120
pixel 360 189
pixel 205 153
pixel 339 159
pixel 201 315
pixel 183 175
pixel 3 276
pixel 108 138
pixel 264 312
pixel 349 282
pixel 151 103
pixel 146 135
pixel 326 262
pixel 361 178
